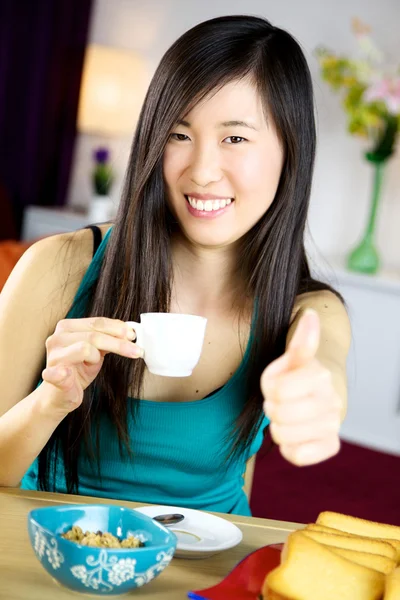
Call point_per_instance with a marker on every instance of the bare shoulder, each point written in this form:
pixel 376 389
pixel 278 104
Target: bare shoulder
pixel 37 295
pixel 52 269
pixel 325 302
pixel 47 264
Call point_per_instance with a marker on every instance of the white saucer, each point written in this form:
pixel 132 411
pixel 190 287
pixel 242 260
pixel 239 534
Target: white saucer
pixel 200 534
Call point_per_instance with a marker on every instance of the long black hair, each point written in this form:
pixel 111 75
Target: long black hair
pixel 136 273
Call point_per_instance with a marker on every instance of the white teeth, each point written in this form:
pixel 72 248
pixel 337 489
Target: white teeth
pixel 209 205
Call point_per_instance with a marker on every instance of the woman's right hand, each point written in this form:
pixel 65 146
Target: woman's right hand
pixel 75 355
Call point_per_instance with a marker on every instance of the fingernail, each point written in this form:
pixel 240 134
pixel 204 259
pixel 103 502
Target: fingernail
pixel 137 352
pixel 130 334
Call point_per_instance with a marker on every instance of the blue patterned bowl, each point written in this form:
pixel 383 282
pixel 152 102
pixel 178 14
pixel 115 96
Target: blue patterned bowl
pixel 103 571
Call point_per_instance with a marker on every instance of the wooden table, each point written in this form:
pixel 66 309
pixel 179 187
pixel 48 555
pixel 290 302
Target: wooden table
pixel 23 578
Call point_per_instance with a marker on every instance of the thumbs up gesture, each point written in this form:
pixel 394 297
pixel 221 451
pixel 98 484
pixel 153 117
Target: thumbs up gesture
pixel 300 400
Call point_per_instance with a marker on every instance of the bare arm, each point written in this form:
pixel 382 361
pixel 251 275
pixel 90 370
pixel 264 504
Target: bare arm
pixel 305 389
pixel 36 296
pixel 33 331
pixel 24 431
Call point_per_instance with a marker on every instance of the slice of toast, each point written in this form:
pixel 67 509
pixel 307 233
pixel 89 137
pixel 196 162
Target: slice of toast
pixel 362 527
pixel 323 529
pixel 358 526
pixel 372 546
pixel 392 587
pixel 372 561
pixel 311 571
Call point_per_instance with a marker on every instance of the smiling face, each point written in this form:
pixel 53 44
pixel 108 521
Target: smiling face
pixel 222 166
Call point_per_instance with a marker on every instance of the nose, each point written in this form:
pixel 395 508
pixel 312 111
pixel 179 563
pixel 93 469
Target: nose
pixel 205 167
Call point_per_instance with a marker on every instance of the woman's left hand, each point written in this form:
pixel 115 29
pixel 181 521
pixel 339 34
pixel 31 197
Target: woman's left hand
pixel 300 400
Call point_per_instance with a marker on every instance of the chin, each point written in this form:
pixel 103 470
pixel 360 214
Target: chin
pixel 216 240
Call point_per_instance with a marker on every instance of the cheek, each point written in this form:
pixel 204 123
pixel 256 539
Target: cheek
pixel 258 173
pixel 172 166
pixel 167 168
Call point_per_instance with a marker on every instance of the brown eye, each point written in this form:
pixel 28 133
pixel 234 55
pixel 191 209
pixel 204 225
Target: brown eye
pixel 180 137
pixel 235 139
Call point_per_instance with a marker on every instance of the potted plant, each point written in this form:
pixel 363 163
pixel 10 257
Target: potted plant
pixel 101 206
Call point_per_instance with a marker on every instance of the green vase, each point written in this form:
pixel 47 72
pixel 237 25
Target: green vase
pixel 365 258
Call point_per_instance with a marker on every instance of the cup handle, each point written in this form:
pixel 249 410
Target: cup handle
pixel 138 327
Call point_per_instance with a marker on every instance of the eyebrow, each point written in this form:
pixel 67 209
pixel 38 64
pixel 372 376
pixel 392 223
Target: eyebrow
pixel 234 123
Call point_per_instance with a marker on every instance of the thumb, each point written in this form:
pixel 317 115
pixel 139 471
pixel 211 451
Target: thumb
pixel 305 342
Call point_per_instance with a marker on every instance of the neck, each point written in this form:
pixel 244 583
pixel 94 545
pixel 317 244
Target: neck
pixel 204 278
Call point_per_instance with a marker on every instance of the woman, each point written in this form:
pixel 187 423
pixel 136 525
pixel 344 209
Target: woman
pixel 211 222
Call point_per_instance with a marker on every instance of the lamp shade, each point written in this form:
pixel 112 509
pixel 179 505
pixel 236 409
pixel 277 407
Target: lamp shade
pixel 113 88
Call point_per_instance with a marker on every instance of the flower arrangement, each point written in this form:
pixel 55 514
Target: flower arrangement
pixel 102 176
pixel 370 91
pixel 370 88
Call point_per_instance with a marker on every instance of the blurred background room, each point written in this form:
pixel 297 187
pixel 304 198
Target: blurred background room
pixel 73 75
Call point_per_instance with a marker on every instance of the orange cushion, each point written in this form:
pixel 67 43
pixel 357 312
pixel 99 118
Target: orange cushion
pixel 10 253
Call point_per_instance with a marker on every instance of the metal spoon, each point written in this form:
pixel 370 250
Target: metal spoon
pixel 171 519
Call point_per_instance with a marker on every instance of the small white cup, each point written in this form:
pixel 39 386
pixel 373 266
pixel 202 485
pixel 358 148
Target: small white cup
pixel 172 342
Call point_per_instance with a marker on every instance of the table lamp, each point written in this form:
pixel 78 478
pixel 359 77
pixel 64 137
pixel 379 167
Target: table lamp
pixel 113 87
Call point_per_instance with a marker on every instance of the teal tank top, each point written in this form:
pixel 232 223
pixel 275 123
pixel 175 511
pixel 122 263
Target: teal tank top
pixel 179 448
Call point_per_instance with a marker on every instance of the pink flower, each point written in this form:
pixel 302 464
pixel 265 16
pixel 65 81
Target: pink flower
pixel 387 90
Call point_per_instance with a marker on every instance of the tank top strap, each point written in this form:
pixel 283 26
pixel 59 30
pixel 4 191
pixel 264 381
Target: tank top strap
pixel 89 279
pixel 97 236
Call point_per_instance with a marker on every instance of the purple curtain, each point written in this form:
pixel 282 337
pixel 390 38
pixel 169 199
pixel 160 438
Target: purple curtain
pixel 42 46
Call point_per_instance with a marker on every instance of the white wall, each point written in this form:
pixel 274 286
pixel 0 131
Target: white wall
pixel 343 179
